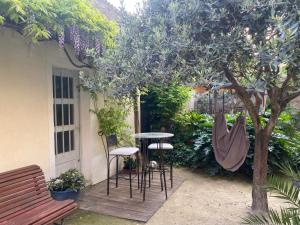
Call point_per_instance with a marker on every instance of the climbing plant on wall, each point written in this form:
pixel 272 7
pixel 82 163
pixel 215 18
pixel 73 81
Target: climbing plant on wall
pixel 75 22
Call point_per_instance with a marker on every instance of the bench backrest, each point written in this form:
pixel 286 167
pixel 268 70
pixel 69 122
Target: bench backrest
pixel 21 190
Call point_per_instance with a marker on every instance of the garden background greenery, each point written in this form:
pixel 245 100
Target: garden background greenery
pixel 193 132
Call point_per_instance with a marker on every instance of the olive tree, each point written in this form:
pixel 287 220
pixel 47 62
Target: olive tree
pixel 247 45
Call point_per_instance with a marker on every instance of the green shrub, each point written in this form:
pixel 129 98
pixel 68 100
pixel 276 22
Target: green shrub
pixel 193 142
pixel 112 121
pixel 163 103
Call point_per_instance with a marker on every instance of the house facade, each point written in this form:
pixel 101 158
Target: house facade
pixel 45 116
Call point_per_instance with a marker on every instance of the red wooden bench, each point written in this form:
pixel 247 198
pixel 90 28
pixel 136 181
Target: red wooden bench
pixel 25 200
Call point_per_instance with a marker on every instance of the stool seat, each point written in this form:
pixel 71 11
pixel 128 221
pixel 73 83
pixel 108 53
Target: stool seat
pixel 164 146
pixel 124 151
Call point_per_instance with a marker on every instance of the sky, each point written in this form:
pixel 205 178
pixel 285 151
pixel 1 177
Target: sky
pixel 130 5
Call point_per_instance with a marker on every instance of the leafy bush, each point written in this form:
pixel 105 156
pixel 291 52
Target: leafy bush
pixel 163 103
pixel 193 142
pixel 112 121
pixel 70 180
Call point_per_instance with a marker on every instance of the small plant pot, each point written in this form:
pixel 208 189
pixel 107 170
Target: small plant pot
pixel 126 171
pixel 64 195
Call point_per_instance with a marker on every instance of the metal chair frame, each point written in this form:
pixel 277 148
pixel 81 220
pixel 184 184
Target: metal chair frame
pixel 110 158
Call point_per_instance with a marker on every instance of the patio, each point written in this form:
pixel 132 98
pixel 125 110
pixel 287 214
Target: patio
pixel 119 204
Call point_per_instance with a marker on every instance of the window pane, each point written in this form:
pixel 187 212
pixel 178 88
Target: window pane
pixel 58 87
pixel 66 141
pixel 72 139
pixel 66 114
pixel 71 89
pixel 72 114
pixel 58 115
pixel 65 87
pixel 59 142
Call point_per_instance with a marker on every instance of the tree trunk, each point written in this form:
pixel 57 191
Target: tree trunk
pixel 137 114
pixel 260 170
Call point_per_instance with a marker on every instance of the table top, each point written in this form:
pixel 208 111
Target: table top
pixel 153 135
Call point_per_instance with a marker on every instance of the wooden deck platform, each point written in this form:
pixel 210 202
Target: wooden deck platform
pixel 119 204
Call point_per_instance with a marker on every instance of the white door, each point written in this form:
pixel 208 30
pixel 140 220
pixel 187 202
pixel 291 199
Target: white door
pixel 66 119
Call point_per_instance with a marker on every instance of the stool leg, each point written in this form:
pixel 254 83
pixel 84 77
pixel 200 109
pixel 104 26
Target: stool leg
pixel 117 171
pixel 138 168
pixel 171 173
pixel 152 173
pixel 130 170
pixel 149 177
pixel 144 185
pixel 142 180
pixel 165 183
pixel 108 171
pixel 160 170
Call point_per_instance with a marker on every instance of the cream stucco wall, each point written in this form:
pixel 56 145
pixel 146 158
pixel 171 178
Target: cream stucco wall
pixel 26 112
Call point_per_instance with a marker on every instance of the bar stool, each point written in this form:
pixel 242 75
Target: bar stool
pixel 162 148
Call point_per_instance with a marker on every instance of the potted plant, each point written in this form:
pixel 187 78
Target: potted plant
pixel 129 163
pixel 67 185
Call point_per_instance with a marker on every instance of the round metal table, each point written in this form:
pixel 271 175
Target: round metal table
pixel 144 138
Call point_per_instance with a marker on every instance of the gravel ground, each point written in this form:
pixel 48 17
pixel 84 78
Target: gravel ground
pixel 203 200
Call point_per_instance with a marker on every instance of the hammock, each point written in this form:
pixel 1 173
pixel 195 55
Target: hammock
pixel 230 147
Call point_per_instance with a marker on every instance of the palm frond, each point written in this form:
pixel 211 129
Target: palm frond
pixel 288 171
pixel 284 189
pixel 256 220
pixel 282 217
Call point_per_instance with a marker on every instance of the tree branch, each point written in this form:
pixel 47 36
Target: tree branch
pixel 289 76
pixel 244 96
pixel 276 108
pixel 290 97
pixel 84 65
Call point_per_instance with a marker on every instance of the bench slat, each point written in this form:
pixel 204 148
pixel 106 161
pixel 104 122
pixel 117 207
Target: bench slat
pixel 42 212
pixel 57 215
pixel 39 181
pixel 35 173
pixel 20 170
pixel 24 208
pixel 26 199
pixel 15 190
pixel 17 196
pixel 20 179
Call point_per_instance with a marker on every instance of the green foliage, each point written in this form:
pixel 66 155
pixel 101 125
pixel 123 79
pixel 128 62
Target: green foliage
pixel 287 190
pixel 112 121
pixel 200 41
pixel 192 143
pixel 47 19
pixel 70 180
pixel 163 103
pixel 130 163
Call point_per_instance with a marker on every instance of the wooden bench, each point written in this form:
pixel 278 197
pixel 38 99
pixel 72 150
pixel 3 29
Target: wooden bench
pixel 25 199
